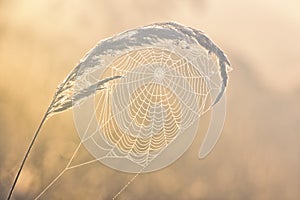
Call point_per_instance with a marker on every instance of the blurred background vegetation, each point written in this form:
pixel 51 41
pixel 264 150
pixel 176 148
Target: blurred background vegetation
pixel 257 156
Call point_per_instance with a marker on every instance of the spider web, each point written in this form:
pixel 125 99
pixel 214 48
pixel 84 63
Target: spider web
pixel 152 105
pixel 162 94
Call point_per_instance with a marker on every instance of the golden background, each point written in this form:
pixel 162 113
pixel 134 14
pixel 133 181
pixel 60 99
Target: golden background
pixel 257 156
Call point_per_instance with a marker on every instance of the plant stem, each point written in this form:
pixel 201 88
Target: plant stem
pixel 26 155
